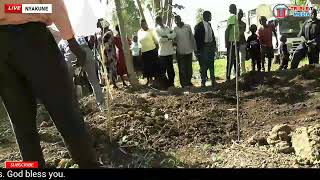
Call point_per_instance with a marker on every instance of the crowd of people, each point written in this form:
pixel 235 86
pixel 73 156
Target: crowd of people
pixel 153 49
pixel 34 67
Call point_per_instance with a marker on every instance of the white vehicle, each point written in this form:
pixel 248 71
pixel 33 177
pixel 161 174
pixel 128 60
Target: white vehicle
pixel 222 26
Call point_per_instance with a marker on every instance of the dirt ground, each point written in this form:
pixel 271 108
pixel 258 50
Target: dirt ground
pixel 193 127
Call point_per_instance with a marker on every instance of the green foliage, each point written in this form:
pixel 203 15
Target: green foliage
pixel 299 2
pixel 130 15
pixel 199 13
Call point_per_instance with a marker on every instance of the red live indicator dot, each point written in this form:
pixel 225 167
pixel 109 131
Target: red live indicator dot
pixel 13 8
pixel 21 165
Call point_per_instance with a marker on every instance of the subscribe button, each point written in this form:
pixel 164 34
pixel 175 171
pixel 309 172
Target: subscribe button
pixel 21 165
pixel 28 8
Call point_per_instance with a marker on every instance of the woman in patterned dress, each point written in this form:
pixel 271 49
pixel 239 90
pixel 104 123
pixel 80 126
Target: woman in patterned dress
pixel 110 56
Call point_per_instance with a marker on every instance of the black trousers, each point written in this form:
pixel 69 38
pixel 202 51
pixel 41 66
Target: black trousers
pixel 284 61
pixel 166 67
pixel 31 66
pixel 266 52
pixel 185 69
pixel 231 59
pixel 301 52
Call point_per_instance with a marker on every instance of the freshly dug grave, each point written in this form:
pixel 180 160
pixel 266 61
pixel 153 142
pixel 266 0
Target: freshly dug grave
pixel 151 128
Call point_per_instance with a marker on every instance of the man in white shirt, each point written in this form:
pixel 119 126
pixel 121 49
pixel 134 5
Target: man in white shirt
pixel 206 47
pixel 165 38
pixel 186 45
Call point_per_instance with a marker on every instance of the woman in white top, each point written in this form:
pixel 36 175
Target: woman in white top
pixel 149 50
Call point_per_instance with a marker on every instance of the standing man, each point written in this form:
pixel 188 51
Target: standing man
pixel 186 45
pixel 242 42
pixel 165 38
pixel 206 47
pixel 311 45
pixel 265 37
pixel 232 40
pixel 31 67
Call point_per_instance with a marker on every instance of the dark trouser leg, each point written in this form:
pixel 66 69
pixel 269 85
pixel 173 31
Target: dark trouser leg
pixel 230 60
pixel 204 65
pixel 188 68
pixel 170 69
pixel 237 56
pixel 269 64
pixel 22 114
pixel 211 60
pixel 284 63
pixel 20 104
pixel 258 61
pixel 163 65
pixel 253 64
pixel 182 70
pixel 41 63
pixel 313 55
pixel 298 55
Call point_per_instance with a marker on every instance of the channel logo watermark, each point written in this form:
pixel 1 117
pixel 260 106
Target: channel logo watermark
pixel 28 8
pixel 282 11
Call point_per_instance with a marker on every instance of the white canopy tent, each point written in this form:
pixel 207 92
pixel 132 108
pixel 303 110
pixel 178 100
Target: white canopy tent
pixel 84 15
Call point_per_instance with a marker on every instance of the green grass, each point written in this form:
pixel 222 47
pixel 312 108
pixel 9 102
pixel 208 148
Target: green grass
pixel 220 70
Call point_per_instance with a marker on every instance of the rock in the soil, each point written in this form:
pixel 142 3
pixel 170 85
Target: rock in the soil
pixel 50 137
pixel 283 147
pixel 279 133
pixel 282 127
pixel 306 143
pixel 131 113
pixel 279 139
pixel 283 136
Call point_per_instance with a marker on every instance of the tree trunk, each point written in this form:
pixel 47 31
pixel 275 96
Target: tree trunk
pixel 140 9
pixel 156 7
pixel 128 58
pixel 169 17
pixel 165 11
